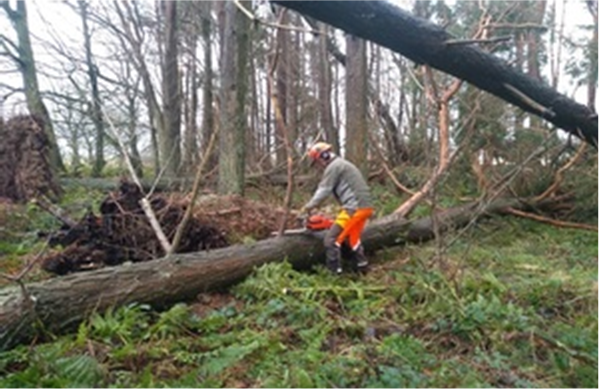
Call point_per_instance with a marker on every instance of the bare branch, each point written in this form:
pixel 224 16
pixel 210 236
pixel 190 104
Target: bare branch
pixel 144 202
pixel 471 41
pixel 279 26
pixel 194 195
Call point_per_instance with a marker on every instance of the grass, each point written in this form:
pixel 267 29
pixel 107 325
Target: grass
pixel 512 303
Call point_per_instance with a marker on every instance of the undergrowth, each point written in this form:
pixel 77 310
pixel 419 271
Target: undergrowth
pixel 512 303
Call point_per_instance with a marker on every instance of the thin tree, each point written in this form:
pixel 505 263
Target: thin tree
pixel 96 108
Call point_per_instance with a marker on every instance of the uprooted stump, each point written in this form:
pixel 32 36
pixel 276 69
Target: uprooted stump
pixel 122 232
pixel 25 170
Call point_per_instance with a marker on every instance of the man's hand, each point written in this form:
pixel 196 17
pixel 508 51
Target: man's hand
pixel 303 214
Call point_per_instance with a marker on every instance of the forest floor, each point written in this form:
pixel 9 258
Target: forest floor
pixel 508 303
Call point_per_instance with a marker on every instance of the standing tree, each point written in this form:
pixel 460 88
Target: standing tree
pixel 96 107
pixel 234 63
pixel 323 76
pixel 22 55
pixel 356 99
pixel 132 37
pixel 170 136
pixel 208 97
pixel 592 56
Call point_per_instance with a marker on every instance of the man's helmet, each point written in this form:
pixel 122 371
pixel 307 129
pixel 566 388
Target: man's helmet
pixel 317 149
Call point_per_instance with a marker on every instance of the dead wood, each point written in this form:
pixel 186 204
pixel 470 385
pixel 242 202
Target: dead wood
pixel 553 222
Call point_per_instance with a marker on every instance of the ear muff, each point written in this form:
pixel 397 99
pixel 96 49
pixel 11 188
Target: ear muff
pixel 325 155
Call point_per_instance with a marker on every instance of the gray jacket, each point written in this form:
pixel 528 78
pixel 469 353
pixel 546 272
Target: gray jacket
pixel 343 180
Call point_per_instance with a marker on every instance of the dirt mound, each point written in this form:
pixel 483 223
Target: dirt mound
pixel 123 233
pixel 25 170
pixel 239 217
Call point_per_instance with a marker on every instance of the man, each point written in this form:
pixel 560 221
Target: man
pixel 344 181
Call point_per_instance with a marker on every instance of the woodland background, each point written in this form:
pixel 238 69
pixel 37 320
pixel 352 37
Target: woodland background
pixel 224 97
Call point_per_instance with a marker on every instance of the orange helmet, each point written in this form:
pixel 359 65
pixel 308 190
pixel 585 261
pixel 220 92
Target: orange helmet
pixel 315 151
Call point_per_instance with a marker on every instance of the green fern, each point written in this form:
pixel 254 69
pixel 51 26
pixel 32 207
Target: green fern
pixel 123 324
pixel 79 371
pixel 216 361
pixel 170 323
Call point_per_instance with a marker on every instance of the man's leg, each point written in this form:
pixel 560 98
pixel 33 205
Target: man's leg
pixel 333 250
pixel 360 258
pixel 354 233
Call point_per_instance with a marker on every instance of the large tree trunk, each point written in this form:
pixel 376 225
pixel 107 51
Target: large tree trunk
pixel 170 137
pixel 62 302
pixel 424 42
pixel 356 100
pixel 231 164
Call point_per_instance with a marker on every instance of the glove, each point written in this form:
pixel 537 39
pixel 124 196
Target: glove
pixel 303 214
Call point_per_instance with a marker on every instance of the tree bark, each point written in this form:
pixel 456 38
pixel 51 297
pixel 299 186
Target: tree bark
pixel 425 42
pixel 170 137
pixel 231 164
pixel 61 303
pixel 356 99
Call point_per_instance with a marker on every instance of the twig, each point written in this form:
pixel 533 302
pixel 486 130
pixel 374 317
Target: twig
pixel 44 203
pixel 280 122
pixel 553 222
pixel 455 42
pixel 559 174
pixel 503 183
pixel 194 195
pixel 279 26
pixel 144 202
pixel 27 267
pixel 224 212
pixel 529 101
pixel 573 353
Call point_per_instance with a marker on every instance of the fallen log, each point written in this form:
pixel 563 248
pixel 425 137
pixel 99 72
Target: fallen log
pixel 61 303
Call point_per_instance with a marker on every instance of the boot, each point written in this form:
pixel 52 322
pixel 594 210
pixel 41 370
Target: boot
pixel 360 259
pixel 334 259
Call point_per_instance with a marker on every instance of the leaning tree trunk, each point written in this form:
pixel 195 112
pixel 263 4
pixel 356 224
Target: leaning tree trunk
pixel 426 43
pixel 60 303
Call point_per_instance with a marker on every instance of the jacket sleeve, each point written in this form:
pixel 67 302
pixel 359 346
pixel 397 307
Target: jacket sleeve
pixel 325 188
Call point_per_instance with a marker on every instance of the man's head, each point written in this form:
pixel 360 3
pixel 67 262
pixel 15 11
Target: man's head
pixel 321 153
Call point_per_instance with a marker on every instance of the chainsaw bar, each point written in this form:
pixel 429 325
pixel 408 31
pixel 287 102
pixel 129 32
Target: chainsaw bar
pixel 295 231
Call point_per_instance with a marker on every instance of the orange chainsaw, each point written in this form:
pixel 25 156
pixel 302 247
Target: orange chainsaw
pixel 313 223
pixel 318 223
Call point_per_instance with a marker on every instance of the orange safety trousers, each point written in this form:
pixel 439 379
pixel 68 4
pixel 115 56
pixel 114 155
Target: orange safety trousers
pixel 352 226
